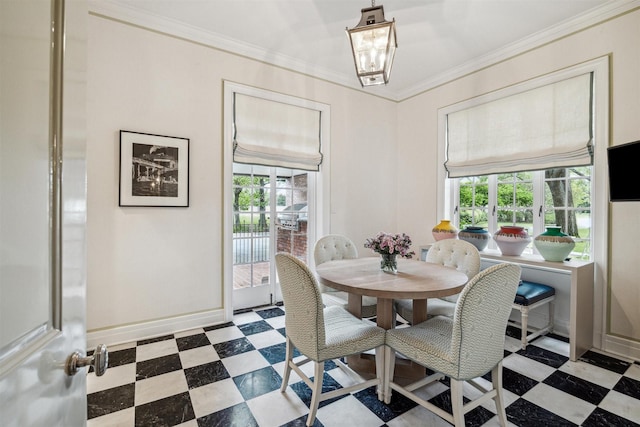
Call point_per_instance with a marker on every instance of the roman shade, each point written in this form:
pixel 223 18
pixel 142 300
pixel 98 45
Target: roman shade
pixel 275 134
pixel 545 127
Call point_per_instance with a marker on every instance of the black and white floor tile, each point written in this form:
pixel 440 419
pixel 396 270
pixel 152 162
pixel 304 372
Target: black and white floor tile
pixel 230 375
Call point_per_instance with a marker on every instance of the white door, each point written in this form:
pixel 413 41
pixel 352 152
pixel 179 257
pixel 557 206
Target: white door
pixel 42 212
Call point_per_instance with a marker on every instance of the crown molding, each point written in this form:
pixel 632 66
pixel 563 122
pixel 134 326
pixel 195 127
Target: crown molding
pixel 563 29
pixel 124 13
pixel 120 12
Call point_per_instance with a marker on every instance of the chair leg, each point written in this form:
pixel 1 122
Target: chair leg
pixel 456 402
pixel 525 330
pixel 316 392
pixel 380 367
pixel 287 367
pixel 552 310
pixel 496 380
pixel 389 368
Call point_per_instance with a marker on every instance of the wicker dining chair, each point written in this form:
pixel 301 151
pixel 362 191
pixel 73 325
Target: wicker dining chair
pixel 463 348
pixel 461 255
pixel 322 334
pixel 334 247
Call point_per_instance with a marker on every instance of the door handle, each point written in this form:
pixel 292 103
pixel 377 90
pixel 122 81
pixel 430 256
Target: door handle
pixel 99 360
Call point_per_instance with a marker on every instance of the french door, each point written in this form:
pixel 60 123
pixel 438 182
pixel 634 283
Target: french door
pixel 271 214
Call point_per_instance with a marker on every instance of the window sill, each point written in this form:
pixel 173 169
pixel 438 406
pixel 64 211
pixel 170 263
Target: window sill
pixel 528 259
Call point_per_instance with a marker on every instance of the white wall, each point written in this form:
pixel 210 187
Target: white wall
pixel 152 270
pixel 617 323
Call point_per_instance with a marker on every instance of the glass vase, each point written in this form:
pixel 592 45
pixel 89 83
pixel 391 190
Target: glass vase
pixel 388 263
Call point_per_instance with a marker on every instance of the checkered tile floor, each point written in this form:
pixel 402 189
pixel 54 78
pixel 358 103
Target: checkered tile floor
pixel 230 374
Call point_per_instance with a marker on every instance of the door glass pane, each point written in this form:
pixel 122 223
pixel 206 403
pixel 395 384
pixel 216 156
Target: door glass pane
pixel 251 225
pixel 292 220
pixel 268 203
pixel 25 297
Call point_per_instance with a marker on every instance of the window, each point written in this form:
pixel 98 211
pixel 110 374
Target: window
pixel 529 155
pixel 567 202
pixel 534 200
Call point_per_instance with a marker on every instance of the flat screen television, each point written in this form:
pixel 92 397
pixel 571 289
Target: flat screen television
pixel 624 162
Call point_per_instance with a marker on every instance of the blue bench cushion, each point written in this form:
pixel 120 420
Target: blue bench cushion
pixel 529 293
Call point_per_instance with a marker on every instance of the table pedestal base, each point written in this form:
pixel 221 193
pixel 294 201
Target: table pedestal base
pixel 405 372
pixel 364 363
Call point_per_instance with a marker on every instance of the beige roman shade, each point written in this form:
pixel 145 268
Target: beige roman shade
pixel 275 134
pixel 546 127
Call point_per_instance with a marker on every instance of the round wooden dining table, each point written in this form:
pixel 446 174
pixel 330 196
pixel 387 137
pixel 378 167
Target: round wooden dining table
pixel 417 280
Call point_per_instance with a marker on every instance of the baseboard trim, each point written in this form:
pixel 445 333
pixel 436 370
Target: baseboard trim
pixel 154 328
pixel 622 347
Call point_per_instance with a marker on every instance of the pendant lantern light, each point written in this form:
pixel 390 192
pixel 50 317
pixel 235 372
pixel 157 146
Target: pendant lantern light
pixel 373 42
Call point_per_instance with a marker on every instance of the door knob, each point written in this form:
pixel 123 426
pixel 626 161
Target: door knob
pixel 99 360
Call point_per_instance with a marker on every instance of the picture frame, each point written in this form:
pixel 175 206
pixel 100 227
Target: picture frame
pixel 154 170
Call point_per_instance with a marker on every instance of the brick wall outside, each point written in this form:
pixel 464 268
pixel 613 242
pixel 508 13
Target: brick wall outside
pixel 293 241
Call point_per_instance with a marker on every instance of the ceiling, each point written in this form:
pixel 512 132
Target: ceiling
pixel 437 39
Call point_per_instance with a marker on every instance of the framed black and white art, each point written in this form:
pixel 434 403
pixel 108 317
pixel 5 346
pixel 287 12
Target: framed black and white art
pixel 154 170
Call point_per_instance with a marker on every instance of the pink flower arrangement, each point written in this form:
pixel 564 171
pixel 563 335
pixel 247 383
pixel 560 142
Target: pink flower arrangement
pixel 393 244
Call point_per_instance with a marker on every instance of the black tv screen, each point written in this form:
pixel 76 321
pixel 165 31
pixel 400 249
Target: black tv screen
pixel 624 160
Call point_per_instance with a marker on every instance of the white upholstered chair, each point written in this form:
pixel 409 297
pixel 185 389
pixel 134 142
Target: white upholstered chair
pixel 462 256
pixel 464 347
pixel 321 333
pixel 333 247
